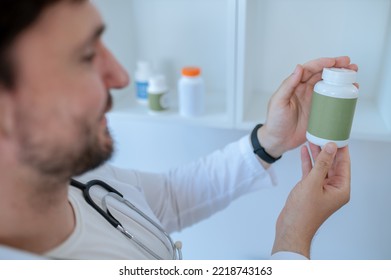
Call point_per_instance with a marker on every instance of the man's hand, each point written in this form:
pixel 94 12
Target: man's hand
pixel 289 107
pixel 324 188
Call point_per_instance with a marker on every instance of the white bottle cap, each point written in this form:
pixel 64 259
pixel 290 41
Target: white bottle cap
pixel 157 84
pixel 144 71
pixel 339 75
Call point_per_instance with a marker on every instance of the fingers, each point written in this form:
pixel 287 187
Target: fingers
pixel 309 74
pixel 353 67
pixel 342 162
pixel 342 61
pixel 288 86
pixel 323 163
pixel 307 158
pixel 316 66
pixel 306 163
pixel 314 79
pixel 343 172
pixel 315 150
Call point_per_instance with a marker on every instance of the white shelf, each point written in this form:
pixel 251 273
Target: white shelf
pixel 275 35
pixel 369 123
pixel 247 47
pixel 172 34
pixel 215 113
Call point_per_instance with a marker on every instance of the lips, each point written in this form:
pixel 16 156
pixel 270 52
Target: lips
pixel 109 105
pixel 109 102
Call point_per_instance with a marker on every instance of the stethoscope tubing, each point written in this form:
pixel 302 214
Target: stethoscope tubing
pixel 176 248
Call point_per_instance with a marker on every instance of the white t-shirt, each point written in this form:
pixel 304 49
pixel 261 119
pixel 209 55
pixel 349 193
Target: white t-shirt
pixel 176 199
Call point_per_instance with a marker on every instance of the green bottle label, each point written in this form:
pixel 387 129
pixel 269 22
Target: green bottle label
pixel 331 118
pixel 158 102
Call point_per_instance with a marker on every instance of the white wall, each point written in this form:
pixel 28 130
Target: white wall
pixel 360 230
pixel 245 230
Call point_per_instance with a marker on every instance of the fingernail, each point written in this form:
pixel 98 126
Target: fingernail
pixel 330 148
pixel 296 70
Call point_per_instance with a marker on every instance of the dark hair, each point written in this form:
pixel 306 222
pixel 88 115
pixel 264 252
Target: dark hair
pixel 15 17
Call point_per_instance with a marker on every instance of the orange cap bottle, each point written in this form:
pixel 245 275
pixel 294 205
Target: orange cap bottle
pixel 191 92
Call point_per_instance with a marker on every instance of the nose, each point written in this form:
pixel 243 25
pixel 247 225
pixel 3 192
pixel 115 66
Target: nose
pixel 114 74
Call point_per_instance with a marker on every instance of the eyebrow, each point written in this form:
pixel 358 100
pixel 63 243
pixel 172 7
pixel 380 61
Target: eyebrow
pixel 97 33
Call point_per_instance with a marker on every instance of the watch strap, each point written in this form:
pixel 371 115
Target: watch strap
pixel 258 149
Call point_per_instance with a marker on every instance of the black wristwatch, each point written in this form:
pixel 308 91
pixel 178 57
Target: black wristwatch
pixel 258 149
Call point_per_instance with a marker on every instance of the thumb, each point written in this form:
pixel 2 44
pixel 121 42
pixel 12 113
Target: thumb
pixel 323 164
pixel 288 86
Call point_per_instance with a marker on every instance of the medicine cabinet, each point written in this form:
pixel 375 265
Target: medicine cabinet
pixel 172 34
pixel 247 47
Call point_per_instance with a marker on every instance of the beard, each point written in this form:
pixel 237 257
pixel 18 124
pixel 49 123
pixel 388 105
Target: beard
pixel 92 155
pixel 60 162
pixel 53 158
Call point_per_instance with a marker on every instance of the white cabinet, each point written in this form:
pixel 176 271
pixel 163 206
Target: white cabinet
pixel 172 34
pixel 275 35
pixel 247 47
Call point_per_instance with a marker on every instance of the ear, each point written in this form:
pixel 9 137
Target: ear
pixel 6 112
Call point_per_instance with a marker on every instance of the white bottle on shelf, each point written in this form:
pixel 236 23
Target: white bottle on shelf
pixel 191 92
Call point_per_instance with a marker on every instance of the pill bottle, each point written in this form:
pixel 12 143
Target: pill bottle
pixel 191 92
pixel 158 100
pixel 142 75
pixel 332 109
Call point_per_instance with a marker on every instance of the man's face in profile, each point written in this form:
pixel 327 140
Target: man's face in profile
pixel 63 77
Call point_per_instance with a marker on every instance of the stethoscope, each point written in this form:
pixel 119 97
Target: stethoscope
pixel 175 248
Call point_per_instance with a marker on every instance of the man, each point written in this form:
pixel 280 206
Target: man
pixel 55 77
